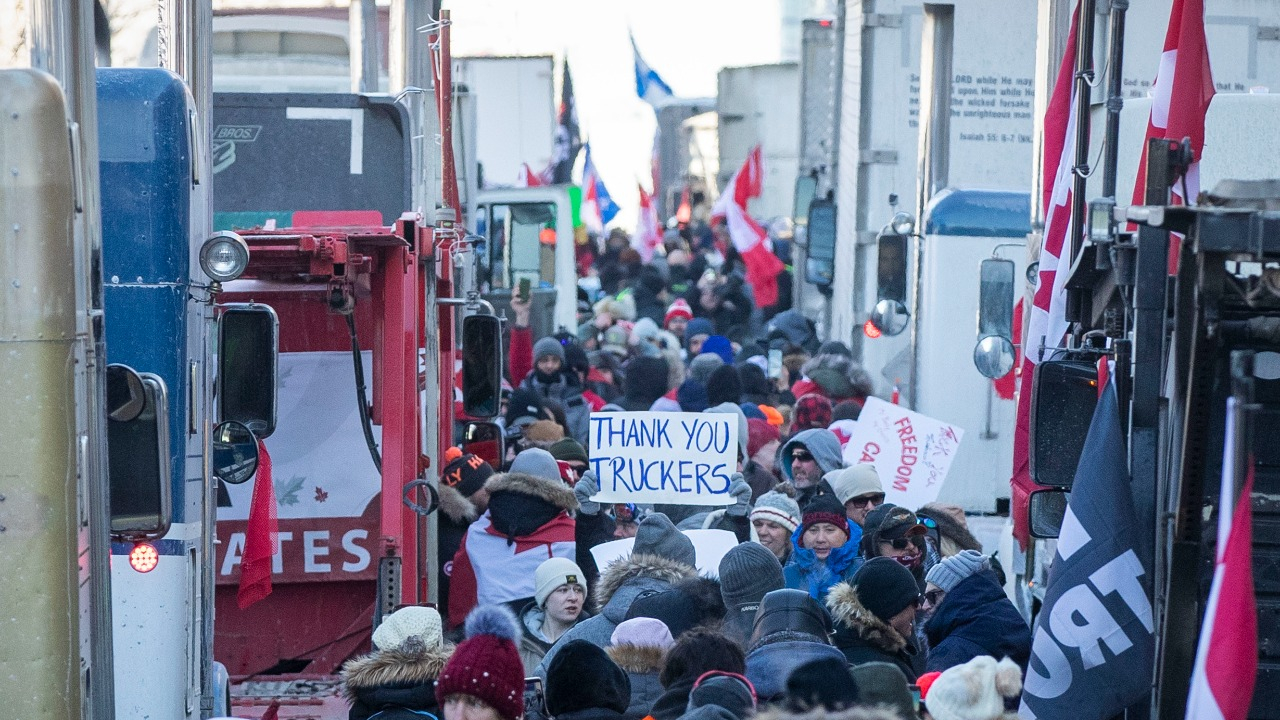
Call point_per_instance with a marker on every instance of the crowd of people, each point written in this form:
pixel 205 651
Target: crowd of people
pixel 833 600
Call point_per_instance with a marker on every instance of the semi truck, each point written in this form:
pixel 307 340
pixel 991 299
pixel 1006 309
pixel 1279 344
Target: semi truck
pixel 759 105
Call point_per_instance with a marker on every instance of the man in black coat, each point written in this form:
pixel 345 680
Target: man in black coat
pixel 874 613
pixel 584 684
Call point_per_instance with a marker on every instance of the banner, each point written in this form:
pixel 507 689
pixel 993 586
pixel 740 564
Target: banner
pixel 659 457
pixel 911 452
pixel 1093 642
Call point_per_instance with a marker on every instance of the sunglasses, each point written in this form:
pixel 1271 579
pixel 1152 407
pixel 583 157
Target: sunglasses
pixel 625 512
pixel 802 457
pixel 933 597
pixel 860 502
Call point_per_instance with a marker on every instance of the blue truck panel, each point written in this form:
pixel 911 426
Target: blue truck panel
pixel 144 141
pixel 979 213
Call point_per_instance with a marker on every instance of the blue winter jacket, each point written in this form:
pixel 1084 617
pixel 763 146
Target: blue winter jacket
pixel 804 571
pixel 976 618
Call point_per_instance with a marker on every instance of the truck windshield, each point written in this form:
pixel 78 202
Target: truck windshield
pixel 522 244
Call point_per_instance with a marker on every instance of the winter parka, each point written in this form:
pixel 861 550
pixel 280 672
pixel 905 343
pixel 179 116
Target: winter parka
pixel 457 512
pixel 804 571
pixel 976 618
pixel 642 664
pixel 568 392
pixel 398 683
pixel 863 637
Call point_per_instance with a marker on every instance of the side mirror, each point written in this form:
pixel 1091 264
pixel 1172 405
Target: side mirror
pixel 139 467
pixel 481 365
pixel 993 355
pixel 806 189
pixel 235 453
pixel 820 263
pixel 126 396
pixel 1063 397
pixel 248 344
pixel 485 441
pixel 1046 510
pixel 891 267
pixel 890 317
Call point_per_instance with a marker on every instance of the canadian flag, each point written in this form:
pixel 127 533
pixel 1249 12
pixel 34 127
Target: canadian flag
pixel 1226 665
pixel 1183 91
pixel 1048 322
pixel 529 178
pixel 749 239
pixel 648 233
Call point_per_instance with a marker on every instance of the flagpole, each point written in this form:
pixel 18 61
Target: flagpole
pixel 1084 74
pixel 1115 98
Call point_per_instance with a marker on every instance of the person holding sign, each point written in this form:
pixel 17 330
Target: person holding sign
pixel 823 555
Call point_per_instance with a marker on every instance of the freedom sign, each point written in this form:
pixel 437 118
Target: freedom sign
pixel 662 457
pixel 911 452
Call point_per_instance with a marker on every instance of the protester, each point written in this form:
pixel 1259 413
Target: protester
pixel 762 448
pixel 895 532
pixel 484 679
pixel 822 553
pixel 689 603
pixel 773 519
pixel 593 526
pixel 560 594
pixel 395 680
pixel 661 557
pixel 527 522
pixel 806 457
pixel 977 690
pixel 883 684
pixel 639 646
pixel 969 615
pixel 874 615
pixel 646 381
pixel 836 377
pixel 584 684
pixel 825 684
pixel 790 630
pixel 953 532
pixel 677 317
pixel 858 488
pixel 696 333
pixel 811 412
pixel 568 450
pixel 702 365
pixel 724 386
pixel 627 517
pixel 463 498
pixel 719 695
pixel 747 572
pixel 695 653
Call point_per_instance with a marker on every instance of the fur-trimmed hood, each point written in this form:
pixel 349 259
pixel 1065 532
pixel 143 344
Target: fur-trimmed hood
pixel 637 658
pixel 456 506
pixel 382 668
pixel 638 566
pixel 554 492
pixel 853 619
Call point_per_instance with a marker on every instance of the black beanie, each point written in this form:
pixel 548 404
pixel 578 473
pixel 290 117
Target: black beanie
pixel 885 587
pixel 467 474
pixel 582 677
pixel 825 683
pixel 723 386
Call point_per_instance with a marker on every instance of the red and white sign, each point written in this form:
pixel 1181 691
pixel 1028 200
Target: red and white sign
pixel 912 453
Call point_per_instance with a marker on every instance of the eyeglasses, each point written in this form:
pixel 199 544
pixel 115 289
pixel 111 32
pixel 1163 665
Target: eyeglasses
pixel 802 457
pixel 901 543
pixel 925 521
pixel 859 502
pixel 933 597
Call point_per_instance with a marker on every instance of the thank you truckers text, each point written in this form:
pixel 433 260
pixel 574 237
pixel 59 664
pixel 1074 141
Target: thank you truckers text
pixel 658 457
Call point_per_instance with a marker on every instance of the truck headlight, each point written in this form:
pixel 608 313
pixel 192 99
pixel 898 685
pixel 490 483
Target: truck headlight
pixel 224 256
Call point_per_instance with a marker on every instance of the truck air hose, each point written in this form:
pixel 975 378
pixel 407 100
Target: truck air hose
pixel 362 399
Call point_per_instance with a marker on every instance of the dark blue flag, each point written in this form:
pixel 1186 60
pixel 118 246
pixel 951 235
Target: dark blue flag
pixel 1093 646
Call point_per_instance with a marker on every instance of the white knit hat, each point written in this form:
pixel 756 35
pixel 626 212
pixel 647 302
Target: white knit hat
pixel 642 631
pixel 422 623
pixel 856 481
pixel 950 571
pixel 553 573
pixel 975 690
pixel 777 508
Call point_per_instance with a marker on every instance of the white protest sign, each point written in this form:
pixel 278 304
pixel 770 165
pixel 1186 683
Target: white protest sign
pixel 912 452
pixel 709 546
pixel 659 457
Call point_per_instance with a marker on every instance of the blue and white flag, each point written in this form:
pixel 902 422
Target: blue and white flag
pixel 1093 645
pixel 649 86
pixel 597 207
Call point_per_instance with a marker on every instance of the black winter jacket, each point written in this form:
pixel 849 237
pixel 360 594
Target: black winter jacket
pixel 863 637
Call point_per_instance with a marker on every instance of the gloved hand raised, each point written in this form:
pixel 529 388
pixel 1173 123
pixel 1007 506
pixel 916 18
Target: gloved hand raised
pixel 587 487
pixel 740 491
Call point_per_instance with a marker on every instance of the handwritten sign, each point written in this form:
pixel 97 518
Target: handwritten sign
pixel 709 547
pixel 658 457
pixel 912 452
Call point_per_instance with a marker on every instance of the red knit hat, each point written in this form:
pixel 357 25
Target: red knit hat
pixel 679 308
pixel 487 664
pixel 812 411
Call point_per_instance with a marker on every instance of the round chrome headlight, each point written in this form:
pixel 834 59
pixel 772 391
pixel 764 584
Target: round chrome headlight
pixel 902 223
pixel 224 256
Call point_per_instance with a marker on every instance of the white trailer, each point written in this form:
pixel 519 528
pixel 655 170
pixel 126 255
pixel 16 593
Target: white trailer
pixel 760 105
pixel 515 114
